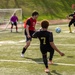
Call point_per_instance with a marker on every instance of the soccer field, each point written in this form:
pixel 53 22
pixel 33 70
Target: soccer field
pixel 11 45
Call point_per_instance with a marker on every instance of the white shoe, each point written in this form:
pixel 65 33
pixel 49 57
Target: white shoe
pixel 47 70
pixel 22 55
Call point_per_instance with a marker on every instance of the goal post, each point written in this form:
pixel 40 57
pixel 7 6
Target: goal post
pixel 6 14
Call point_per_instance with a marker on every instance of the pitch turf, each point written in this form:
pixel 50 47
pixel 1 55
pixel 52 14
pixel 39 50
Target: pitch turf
pixel 11 63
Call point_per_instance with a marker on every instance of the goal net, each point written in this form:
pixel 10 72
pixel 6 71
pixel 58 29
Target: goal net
pixel 6 14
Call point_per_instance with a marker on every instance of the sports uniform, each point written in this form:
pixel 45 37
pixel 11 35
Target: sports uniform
pixel 46 43
pixel 14 20
pixel 45 38
pixel 31 22
pixel 29 26
pixel 72 21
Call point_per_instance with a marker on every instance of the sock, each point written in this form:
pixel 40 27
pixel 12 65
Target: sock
pixel 16 28
pixel 45 60
pixel 11 28
pixel 23 51
pixel 70 29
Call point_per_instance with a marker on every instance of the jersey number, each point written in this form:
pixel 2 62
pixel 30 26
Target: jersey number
pixel 44 40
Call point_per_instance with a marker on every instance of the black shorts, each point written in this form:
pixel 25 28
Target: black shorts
pixel 45 49
pixel 14 23
pixel 31 33
pixel 72 22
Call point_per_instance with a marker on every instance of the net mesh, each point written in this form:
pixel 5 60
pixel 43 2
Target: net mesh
pixel 6 14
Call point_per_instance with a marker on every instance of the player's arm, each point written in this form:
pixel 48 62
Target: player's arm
pixel 35 35
pixel 70 16
pixel 17 18
pixel 11 20
pixel 27 28
pixel 54 46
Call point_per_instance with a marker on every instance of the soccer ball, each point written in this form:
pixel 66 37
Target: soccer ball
pixel 58 30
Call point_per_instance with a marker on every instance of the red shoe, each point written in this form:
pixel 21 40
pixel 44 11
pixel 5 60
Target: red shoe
pixel 47 70
pixel 50 62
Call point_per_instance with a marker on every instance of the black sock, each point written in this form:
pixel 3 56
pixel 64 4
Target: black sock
pixel 23 51
pixel 45 60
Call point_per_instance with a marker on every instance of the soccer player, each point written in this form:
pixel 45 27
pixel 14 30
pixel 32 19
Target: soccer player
pixel 14 20
pixel 72 21
pixel 46 43
pixel 29 30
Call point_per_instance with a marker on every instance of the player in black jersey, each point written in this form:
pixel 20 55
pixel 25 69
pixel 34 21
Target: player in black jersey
pixel 72 21
pixel 46 43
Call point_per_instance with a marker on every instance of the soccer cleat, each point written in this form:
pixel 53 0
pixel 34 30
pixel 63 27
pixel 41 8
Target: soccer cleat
pixel 70 32
pixel 47 70
pixel 50 62
pixel 22 55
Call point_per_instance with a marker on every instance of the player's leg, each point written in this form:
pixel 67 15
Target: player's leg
pixel 45 62
pixel 44 56
pixel 70 23
pixel 51 56
pixel 11 27
pixel 28 41
pixel 74 25
pixel 26 46
pixel 16 26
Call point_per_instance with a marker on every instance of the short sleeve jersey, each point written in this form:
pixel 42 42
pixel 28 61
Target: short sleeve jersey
pixel 31 22
pixel 45 37
pixel 72 15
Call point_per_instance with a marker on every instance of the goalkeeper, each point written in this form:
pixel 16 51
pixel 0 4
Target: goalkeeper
pixel 14 20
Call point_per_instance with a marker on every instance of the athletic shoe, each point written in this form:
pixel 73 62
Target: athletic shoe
pixel 22 55
pixel 47 70
pixel 70 32
pixel 50 62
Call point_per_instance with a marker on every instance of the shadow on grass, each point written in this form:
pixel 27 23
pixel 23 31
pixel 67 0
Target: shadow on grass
pixel 55 72
pixel 35 59
pixel 70 56
pixel 49 73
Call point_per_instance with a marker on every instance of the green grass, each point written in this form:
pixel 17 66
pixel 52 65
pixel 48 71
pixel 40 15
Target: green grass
pixel 11 51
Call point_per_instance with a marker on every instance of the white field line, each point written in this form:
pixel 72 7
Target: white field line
pixel 33 62
pixel 18 43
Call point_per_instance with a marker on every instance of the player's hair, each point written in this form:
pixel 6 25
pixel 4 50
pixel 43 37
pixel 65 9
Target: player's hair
pixel 44 24
pixel 35 13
